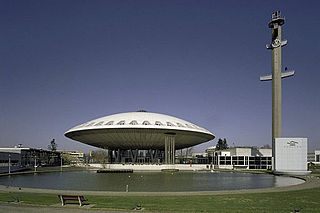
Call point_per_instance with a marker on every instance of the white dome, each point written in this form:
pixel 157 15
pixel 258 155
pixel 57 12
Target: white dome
pixel 138 130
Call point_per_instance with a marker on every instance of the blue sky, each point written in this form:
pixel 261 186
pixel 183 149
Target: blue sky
pixel 63 63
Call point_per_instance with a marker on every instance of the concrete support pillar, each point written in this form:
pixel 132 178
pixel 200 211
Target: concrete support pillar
pixel 133 155
pixel 118 156
pixel 169 148
pixel 166 151
pixel 151 155
pixel 109 156
pixel 154 155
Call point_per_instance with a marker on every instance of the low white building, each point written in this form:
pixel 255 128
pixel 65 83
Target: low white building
pixel 314 157
pixel 21 158
pixel 243 158
pixel 75 155
pixel 317 156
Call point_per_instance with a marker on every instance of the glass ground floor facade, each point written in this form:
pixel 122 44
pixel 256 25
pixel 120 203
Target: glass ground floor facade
pixel 157 157
pixel 245 162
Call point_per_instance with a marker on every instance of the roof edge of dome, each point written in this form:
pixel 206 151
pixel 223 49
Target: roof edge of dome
pixel 101 121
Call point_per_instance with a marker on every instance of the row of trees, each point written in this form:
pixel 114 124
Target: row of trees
pixel 97 155
pixel 67 159
pixel 53 145
pixel 222 144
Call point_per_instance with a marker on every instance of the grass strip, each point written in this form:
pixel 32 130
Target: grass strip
pixel 306 200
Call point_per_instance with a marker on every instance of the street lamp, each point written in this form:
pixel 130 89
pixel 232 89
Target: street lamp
pixel 61 162
pixel 35 163
pixel 9 164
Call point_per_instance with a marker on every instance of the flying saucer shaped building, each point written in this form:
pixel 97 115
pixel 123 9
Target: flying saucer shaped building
pixel 140 131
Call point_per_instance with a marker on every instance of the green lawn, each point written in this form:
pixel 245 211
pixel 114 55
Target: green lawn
pixel 28 198
pixel 307 200
pixel 314 168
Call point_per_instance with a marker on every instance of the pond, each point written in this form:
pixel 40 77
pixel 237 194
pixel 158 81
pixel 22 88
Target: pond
pixel 147 181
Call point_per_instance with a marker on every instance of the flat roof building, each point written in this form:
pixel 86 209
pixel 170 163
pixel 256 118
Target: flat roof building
pixel 75 156
pixel 24 158
pixel 314 157
pixel 242 158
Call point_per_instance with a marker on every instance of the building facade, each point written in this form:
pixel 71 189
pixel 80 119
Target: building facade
pixel 242 158
pixel 74 156
pixel 314 157
pixel 21 158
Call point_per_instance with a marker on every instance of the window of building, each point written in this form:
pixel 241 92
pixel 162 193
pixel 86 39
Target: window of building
pixel 170 124
pixel 82 125
pixel 195 126
pixel 99 123
pixel 189 126
pixel 134 122
pixel 145 123
pixel 121 122
pixel 109 123
pixel 222 160
pixel 158 123
pixel 180 125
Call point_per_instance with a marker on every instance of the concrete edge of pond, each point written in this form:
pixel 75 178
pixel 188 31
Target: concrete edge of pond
pixel 310 181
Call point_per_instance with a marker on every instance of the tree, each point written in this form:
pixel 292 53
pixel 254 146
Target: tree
pixel 222 144
pixel 266 146
pixel 68 159
pixel 99 156
pixel 53 146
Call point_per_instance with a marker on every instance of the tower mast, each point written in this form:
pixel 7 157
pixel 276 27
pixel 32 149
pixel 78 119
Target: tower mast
pixel 276 45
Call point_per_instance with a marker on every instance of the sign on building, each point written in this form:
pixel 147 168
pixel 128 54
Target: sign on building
pixel 290 156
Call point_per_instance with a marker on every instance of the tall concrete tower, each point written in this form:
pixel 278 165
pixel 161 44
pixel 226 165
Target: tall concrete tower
pixel 276 45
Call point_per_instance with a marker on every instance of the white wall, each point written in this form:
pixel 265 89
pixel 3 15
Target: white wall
pixel 290 154
pixel 265 152
pixel 243 151
pixel 225 153
pixel 145 167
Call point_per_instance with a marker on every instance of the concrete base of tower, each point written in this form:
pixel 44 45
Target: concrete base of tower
pixel 291 172
pixel 290 156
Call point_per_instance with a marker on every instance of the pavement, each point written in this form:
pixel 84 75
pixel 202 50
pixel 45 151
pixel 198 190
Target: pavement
pixel 13 208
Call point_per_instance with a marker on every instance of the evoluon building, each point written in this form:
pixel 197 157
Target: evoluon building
pixel 132 135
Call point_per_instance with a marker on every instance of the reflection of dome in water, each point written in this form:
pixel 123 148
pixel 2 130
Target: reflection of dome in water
pixel 138 130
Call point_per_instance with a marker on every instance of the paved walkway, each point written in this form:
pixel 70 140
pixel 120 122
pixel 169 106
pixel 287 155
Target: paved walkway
pixel 13 208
